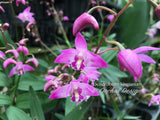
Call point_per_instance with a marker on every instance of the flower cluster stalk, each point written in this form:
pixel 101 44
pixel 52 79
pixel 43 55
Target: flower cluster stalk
pixel 112 24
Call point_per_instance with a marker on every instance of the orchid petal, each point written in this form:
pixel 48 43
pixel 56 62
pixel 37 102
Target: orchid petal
pixel 131 62
pixel 23 49
pixel 67 56
pixel 14 52
pixel 82 21
pixel 13 72
pixel 146 58
pixel 80 42
pixel 144 49
pixel 60 92
pixel 8 62
pixel 48 85
pixel 27 68
pixel 34 61
pixel 92 59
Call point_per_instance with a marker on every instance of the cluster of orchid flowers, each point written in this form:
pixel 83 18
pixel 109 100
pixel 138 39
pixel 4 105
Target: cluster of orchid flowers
pixel 21 66
pixel 87 64
pixel 80 85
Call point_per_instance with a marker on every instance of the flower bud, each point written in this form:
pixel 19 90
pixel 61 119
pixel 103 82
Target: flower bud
pixel 34 61
pixel 29 26
pixel 5 27
pixel 23 49
pixel 23 41
pixel 157 11
pixel 1 9
pixel 13 52
pixel 8 62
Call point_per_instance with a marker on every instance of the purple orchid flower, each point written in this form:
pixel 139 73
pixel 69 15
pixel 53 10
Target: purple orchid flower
pixel 89 73
pixel 130 60
pixel 1 55
pixel 20 1
pixel 82 21
pixel 78 91
pixel 155 99
pixel 19 69
pixel 80 57
pixel 26 15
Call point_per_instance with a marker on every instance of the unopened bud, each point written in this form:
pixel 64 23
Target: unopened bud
pixel 157 11
pixel 5 27
pixel 23 41
pixel 29 26
pixel 1 9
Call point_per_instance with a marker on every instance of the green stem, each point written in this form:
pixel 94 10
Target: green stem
pixel 107 50
pixel 5 40
pixel 62 29
pixel 154 4
pixel 101 7
pixel 15 92
pixel 112 24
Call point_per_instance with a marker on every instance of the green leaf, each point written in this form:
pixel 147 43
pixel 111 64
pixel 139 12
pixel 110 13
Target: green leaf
pixel 111 74
pixel 14 113
pixel 4 81
pixel 5 100
pixel 43 63
pixel 78 112
pixel 134 23
pixel 8 38
pixel 132 117
pixel 59 116
pixel 69 105
pixel 35 105
pixel 28 79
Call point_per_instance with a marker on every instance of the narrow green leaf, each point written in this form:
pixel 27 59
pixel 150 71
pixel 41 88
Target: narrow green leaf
pixel 14 113
pixel 69 105
pixel 35 105
pixel 115 106
pixel 5 100
pixel 59 116
pixel 78 112
pixel 43 63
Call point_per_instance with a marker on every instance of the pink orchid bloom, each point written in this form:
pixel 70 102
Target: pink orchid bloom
pixel 49 77
pixel 80 57
pixel 130 60
pixel 110 17
pixel 34 61
pixel 26 15
pixel 1 55
pixel 5 27
pixel 89 74
pixel 78 91
pixel 20 69
pixel 20 1
pixel 65 18
pixel 143 90
pixel 82 21
pixel 22 42
pixel 8 62
pixel 23 49
pixel 157 25
pixel 151 32
pixel 155 99
pixel 14 52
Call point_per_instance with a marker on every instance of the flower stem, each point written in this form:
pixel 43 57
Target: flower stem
pixel 107 50
pixel 16 88
pixel 101 7
pixel 61 28
pixel 154 4
pixel 15 19
pixel 112 24
pixel 5 40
